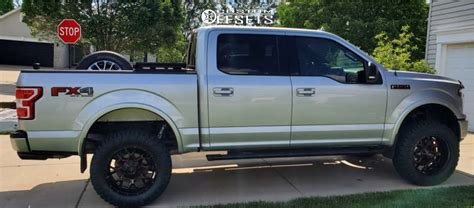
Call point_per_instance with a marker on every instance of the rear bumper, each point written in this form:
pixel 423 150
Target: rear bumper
pixel 19 141
pixel 463 128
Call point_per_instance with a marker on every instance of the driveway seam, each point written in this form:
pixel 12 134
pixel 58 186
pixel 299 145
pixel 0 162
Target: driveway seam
pixel 465 174
pixel 82 193
pixel 284 177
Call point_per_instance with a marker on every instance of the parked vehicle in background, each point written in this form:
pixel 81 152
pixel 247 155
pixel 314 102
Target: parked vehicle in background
pixel 253 92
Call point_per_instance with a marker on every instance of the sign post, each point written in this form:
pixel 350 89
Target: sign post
pixel 69 31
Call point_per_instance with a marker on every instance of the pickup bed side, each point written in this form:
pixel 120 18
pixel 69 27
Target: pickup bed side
pixel 66 119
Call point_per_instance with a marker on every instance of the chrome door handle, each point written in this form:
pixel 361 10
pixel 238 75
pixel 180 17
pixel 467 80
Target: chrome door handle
pixel 223 91
pixel 305 91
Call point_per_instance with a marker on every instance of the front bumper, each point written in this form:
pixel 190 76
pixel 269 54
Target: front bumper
pixel 463 128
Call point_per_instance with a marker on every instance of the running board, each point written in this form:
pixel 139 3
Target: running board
pixel 252 154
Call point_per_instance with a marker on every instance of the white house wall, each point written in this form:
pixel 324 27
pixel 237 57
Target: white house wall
pixel 12 27
pixel 447 15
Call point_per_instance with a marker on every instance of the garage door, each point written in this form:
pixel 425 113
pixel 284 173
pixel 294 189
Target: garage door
pixel 460 65
pixel 26 53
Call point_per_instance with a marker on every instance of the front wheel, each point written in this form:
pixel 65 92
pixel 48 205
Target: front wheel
pixel 130 168
pixel 427 153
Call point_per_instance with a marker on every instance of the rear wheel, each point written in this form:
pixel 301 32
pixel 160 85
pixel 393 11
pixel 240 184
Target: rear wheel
pixel 130 168
pixel 426 153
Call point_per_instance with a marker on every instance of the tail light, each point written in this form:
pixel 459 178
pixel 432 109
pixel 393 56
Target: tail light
pixel 25 101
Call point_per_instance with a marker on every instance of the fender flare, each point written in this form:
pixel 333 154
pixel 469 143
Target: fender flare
pixel 416 100
pixel 128 99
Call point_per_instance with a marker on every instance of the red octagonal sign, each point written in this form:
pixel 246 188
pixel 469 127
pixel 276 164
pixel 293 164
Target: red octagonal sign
pixel 69 31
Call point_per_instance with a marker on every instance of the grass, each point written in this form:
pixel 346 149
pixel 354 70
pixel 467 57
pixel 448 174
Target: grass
pixel 462 196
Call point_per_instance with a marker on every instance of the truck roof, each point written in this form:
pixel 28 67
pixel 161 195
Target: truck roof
pixel 267 29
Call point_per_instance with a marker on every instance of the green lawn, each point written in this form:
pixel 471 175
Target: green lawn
pixel 436 197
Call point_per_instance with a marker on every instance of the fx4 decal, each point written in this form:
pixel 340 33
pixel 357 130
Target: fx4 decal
pixel 73 91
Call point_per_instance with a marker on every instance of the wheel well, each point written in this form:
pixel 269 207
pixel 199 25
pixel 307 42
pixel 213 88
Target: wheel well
pixel 429 111
pixel 99 131
pixel 129 118
pixel 435 112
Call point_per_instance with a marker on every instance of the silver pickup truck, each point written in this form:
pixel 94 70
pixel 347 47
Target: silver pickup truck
pixel 254 92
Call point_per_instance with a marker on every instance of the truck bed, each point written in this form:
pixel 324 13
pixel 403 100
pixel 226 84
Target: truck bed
pixel 145 66
pixel 60 118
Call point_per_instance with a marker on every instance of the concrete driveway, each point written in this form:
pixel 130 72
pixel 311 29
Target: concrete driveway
pixel 195 181
pixel 8 76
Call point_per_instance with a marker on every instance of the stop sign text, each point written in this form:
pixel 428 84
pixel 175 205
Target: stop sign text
pixel 69 31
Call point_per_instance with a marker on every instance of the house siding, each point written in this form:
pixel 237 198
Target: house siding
pixel 11 25
pixel 13 28
pixel 447 15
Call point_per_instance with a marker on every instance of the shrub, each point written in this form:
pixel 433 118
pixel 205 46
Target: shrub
pixel 396 53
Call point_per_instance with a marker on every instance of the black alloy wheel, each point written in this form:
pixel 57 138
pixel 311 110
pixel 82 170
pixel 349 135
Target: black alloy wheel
pixel 131 171
pixel 430 155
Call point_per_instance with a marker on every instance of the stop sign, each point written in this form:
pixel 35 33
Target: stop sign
pixel 69 31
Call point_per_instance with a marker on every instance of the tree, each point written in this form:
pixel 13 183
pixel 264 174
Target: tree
pixel 6 6
pixel 256 6
pixel 173 53
pixel 193 10
pixel 396 53
pixel 358 21
pixel 17 3
pixel 117 25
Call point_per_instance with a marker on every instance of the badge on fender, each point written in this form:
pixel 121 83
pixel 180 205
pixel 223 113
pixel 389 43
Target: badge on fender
pixel 73 91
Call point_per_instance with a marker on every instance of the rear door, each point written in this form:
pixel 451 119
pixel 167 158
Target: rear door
pixel 249 91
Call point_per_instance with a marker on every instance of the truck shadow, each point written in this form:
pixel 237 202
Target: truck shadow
pixel 287 178
pixel 242 181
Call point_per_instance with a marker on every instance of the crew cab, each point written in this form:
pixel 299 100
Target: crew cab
pixel 251 91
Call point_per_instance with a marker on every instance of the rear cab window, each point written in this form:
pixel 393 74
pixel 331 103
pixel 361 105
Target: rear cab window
pixel 250 54
pixel 191 54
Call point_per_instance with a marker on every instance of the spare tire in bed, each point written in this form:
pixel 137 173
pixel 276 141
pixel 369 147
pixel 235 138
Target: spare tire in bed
pixel 104 61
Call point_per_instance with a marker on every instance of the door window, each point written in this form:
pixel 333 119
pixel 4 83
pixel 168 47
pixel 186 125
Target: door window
pixel 323 57
pixel 243 54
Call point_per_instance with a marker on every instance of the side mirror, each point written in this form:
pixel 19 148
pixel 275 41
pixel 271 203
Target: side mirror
pixel 371 73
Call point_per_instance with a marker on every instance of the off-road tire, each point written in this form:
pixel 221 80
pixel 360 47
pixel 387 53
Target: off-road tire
pixel 410 135
pixel 111 56
pixel 130 138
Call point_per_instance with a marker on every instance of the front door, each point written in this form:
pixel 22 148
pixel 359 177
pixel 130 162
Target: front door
pixel 249 92
pixel 332 103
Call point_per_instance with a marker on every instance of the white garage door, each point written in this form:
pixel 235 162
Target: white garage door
pixel 460 65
